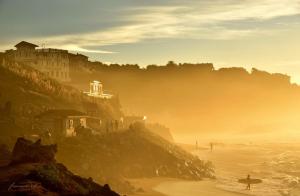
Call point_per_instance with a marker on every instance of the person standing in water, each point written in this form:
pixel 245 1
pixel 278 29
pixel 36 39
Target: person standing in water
pixel 248 182
pixel 211 146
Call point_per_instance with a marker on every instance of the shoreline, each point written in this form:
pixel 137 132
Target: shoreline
pixel 177 187
pixel 147 186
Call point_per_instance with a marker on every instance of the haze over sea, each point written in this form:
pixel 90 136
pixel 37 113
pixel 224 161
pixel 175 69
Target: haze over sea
pixel 277 164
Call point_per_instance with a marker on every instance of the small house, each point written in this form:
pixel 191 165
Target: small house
pixel 60 122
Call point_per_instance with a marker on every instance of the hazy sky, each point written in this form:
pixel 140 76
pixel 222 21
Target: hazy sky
pixel 249 33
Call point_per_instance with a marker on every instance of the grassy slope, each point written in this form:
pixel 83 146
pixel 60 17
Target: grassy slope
pixel 22 84
pixel 31 92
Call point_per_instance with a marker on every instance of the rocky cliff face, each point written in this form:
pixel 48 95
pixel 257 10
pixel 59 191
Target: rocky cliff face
pixel 5 155
pixel 134 153
pixel 34 171
pixel 160 130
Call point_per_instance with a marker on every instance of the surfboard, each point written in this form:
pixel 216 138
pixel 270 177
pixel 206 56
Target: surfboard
pixel 250 181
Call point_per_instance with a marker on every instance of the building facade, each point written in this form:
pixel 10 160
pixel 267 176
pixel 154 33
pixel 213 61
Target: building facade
pixel 52 62
pixel 78 60
pixel 65 123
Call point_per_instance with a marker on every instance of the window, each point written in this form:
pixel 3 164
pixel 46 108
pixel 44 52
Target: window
pixel 71 124
pixel 82 122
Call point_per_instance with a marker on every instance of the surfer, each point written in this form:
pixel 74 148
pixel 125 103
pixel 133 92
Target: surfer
pixel 248 182
pixel 211 146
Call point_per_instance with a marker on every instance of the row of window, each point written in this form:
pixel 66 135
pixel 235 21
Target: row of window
pixel 53 63
pixel 23 54
pixel 57 55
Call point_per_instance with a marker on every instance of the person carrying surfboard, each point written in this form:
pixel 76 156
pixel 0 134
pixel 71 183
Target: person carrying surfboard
pixel 248 181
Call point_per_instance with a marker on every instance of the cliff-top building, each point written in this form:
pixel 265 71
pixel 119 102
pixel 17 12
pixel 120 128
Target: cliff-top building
pixel 53 62
pixel 78 60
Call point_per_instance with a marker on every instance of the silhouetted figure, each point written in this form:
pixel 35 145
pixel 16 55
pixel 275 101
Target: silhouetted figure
pixel 82 131
pixel 196 145
pixel 79 130
pixel 47 134
pixel 107 126
pixel 211 146
pixel 116 125
pixel 248 184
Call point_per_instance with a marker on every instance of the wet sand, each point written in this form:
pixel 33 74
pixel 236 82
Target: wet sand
pixel 147 185
pixel 175 187
pixel 184 188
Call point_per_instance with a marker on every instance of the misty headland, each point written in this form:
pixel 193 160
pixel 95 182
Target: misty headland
pixel 149 98
pixel 141 124
pixel 197 101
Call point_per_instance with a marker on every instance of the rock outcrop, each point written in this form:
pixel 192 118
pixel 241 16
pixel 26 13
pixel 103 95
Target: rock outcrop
pixel 34 171
pixel 32 152
pixel 5 155
pixel 132 153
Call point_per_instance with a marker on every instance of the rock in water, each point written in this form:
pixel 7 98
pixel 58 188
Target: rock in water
pixel 27 151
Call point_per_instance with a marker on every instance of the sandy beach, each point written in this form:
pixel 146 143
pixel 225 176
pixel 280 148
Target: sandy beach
pixel 175 187
pixel 147 186
pixel 276 164
pixel 184 188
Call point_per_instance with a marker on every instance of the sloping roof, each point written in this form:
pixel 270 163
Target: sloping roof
pixel 60 113
pixel 23 43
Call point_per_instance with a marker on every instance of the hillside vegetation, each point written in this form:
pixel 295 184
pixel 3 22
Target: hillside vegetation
pixel 25 92
pixel 198 99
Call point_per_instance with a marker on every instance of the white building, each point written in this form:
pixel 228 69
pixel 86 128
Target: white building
pixel 96 90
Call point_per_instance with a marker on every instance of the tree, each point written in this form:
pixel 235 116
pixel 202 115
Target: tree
pixel 171 64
